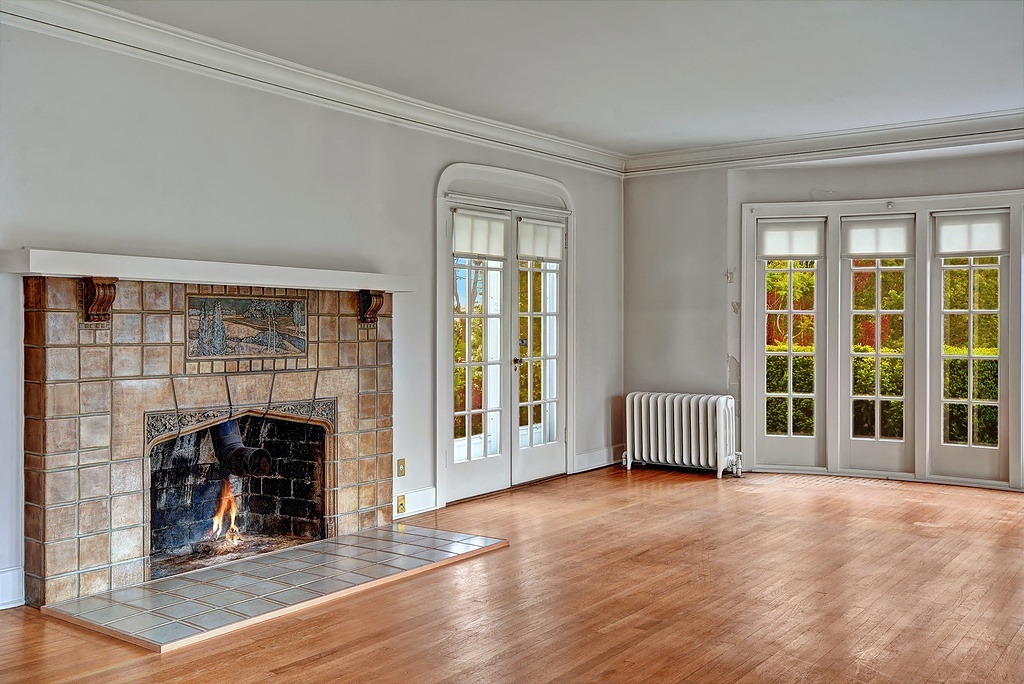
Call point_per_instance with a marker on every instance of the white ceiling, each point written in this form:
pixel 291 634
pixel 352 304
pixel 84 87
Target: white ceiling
pixel 643 76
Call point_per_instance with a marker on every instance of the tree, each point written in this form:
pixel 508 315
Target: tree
pixel 218 333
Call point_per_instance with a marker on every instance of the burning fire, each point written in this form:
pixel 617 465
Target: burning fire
pixel 225 508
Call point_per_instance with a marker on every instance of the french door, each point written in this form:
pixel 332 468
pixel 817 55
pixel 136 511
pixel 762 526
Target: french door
pixel 879 343
pixel 508 374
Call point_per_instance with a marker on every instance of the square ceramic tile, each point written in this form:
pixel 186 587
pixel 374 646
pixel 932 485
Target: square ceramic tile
pixel 327 585
pixel 290 597
pixel 297 578
pixel 214 619
pixel 375 556
pixel 208 574
pixel 110 613
pixel 378 571
pixel 154 601
pixel 84 605
pixel 292 553
pixel 172 631
pixel 352 578
pixel 138 623
pixel 268 571
pixel 264 587
pixel 458 547
pixel 226 598
pixel 406 563
pixel 183 610
pixel 319 559
pixel 197 590
pixel 323 571
pixel 255 607
pixel 232 581
pixel 434 555
pixel 292 564
pixel 129 593
pixel 346 564
pixel 169 583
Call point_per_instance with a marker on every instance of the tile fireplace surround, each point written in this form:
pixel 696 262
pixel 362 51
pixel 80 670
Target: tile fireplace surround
pixel 99 396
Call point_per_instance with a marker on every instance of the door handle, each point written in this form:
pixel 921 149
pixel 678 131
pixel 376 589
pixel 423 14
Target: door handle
pixel 515 363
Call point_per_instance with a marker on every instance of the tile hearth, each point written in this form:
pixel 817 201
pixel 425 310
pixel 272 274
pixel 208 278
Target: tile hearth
pixel 172 612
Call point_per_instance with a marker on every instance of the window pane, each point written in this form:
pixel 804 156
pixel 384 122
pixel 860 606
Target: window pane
pixel 459 340
pixel 551 290
pixel 550 422
pixel 477 391
pixel 954 423
pixel 955 261
pixel 803 374
pixel 863 375
pixel 524 426
pixel 536 383
pixel 863 417
pixel 986 334
pixel 777 332
pixel 803 332
pixel 476 441
pixel 460 389
pixel 892 419
pixel 864 332
pixel 776 374
pixel 954 333
pixel 803 291
pixel 476 290
pixel 986 380
pixel 863 290
pixel 550 380
pixel 536 336
pixel 493 386
pixel 476 339
pixel 954 378
pixel 776 413
pixel 863 263
pixel 890 377
pixel 892 290
pixel 986 289
pixel 892 262
pixel 524 382
pixel 891 333
pixel 803 416
pixel 536 295
pixel 777 291
pixel 461 293
pixel 494 292
pixel 493 345
pixel 979 261
pixel 777 264
pixel 954 289
pixel 986 425
pixel 460 427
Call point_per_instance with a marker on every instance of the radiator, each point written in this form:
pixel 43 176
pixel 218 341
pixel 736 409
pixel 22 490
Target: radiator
pixel 686 430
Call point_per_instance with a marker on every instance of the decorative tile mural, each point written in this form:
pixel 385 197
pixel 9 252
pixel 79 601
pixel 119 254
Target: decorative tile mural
pixel 250 327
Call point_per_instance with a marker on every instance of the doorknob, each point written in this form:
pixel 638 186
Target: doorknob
pixel 515 363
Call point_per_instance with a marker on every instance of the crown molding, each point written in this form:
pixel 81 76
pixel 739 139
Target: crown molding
pixel 962 131
pixel 105 27
pixel 96 25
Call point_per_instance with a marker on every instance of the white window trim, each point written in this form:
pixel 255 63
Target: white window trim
pixel 921 207
pixel 505 187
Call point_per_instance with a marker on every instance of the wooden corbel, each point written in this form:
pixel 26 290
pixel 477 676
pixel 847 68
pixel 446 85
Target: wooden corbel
pixel 96 297
pixel 370 302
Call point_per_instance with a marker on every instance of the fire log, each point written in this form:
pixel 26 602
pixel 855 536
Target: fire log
pixel 235 457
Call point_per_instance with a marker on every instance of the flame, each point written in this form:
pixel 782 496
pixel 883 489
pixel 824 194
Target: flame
pixel 227 506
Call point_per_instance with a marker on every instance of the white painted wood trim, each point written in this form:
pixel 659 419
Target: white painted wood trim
pixel 598 458
pixel 111 29
pixel 994 127
pixel 12 587
pixel 416 501
pixel 30 261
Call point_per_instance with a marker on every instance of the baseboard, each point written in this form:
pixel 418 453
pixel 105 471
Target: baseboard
pixel 12 587
pixel 417 501
pixel 598 458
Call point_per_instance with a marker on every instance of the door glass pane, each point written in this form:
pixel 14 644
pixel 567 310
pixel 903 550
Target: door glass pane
pixel 863 375
pixel 803 332
pixel 493 386
pixel 864 290
pixel 476 439
pixel 864 332
pixel 550 421
pixel 777 291
pixel 986 289
pixel 891 291
pixel 777 332
pixel 777 374
pixel 954 333
pixel 803 375
pixel 986 380
pixel 476 393
pixel 803 416
pixel 891 333
pixel 891 413
pixel 803 290
pixel 864 418
pixel 954 423
pixel 493 432
pixel 776 410
pixel 986 334
pixel 890 376
pixel 954 289
pixel 986 425
pixel 954 378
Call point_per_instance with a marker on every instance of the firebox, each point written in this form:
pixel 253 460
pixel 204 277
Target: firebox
pixel 238 488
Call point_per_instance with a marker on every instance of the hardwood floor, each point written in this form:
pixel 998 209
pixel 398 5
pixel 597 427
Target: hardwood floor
pixel 646 576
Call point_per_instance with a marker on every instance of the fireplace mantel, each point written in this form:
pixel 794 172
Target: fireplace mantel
pixel 48 262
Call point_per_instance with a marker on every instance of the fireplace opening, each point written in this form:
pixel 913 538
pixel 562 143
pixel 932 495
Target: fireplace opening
pixel 214 497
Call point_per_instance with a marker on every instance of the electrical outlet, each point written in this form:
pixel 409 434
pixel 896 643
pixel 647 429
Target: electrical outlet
pixel 401 504
pixel 401 467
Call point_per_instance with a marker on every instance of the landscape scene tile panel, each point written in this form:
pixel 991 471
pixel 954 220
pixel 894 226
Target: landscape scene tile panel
pixel 250 327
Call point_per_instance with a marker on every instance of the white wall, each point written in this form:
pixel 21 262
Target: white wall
pixel 107 153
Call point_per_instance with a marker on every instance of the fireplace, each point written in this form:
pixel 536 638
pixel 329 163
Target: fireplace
pixel 119 482
pixel 202 513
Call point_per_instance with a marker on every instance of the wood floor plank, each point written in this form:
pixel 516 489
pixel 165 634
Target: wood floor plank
pixel 642 576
